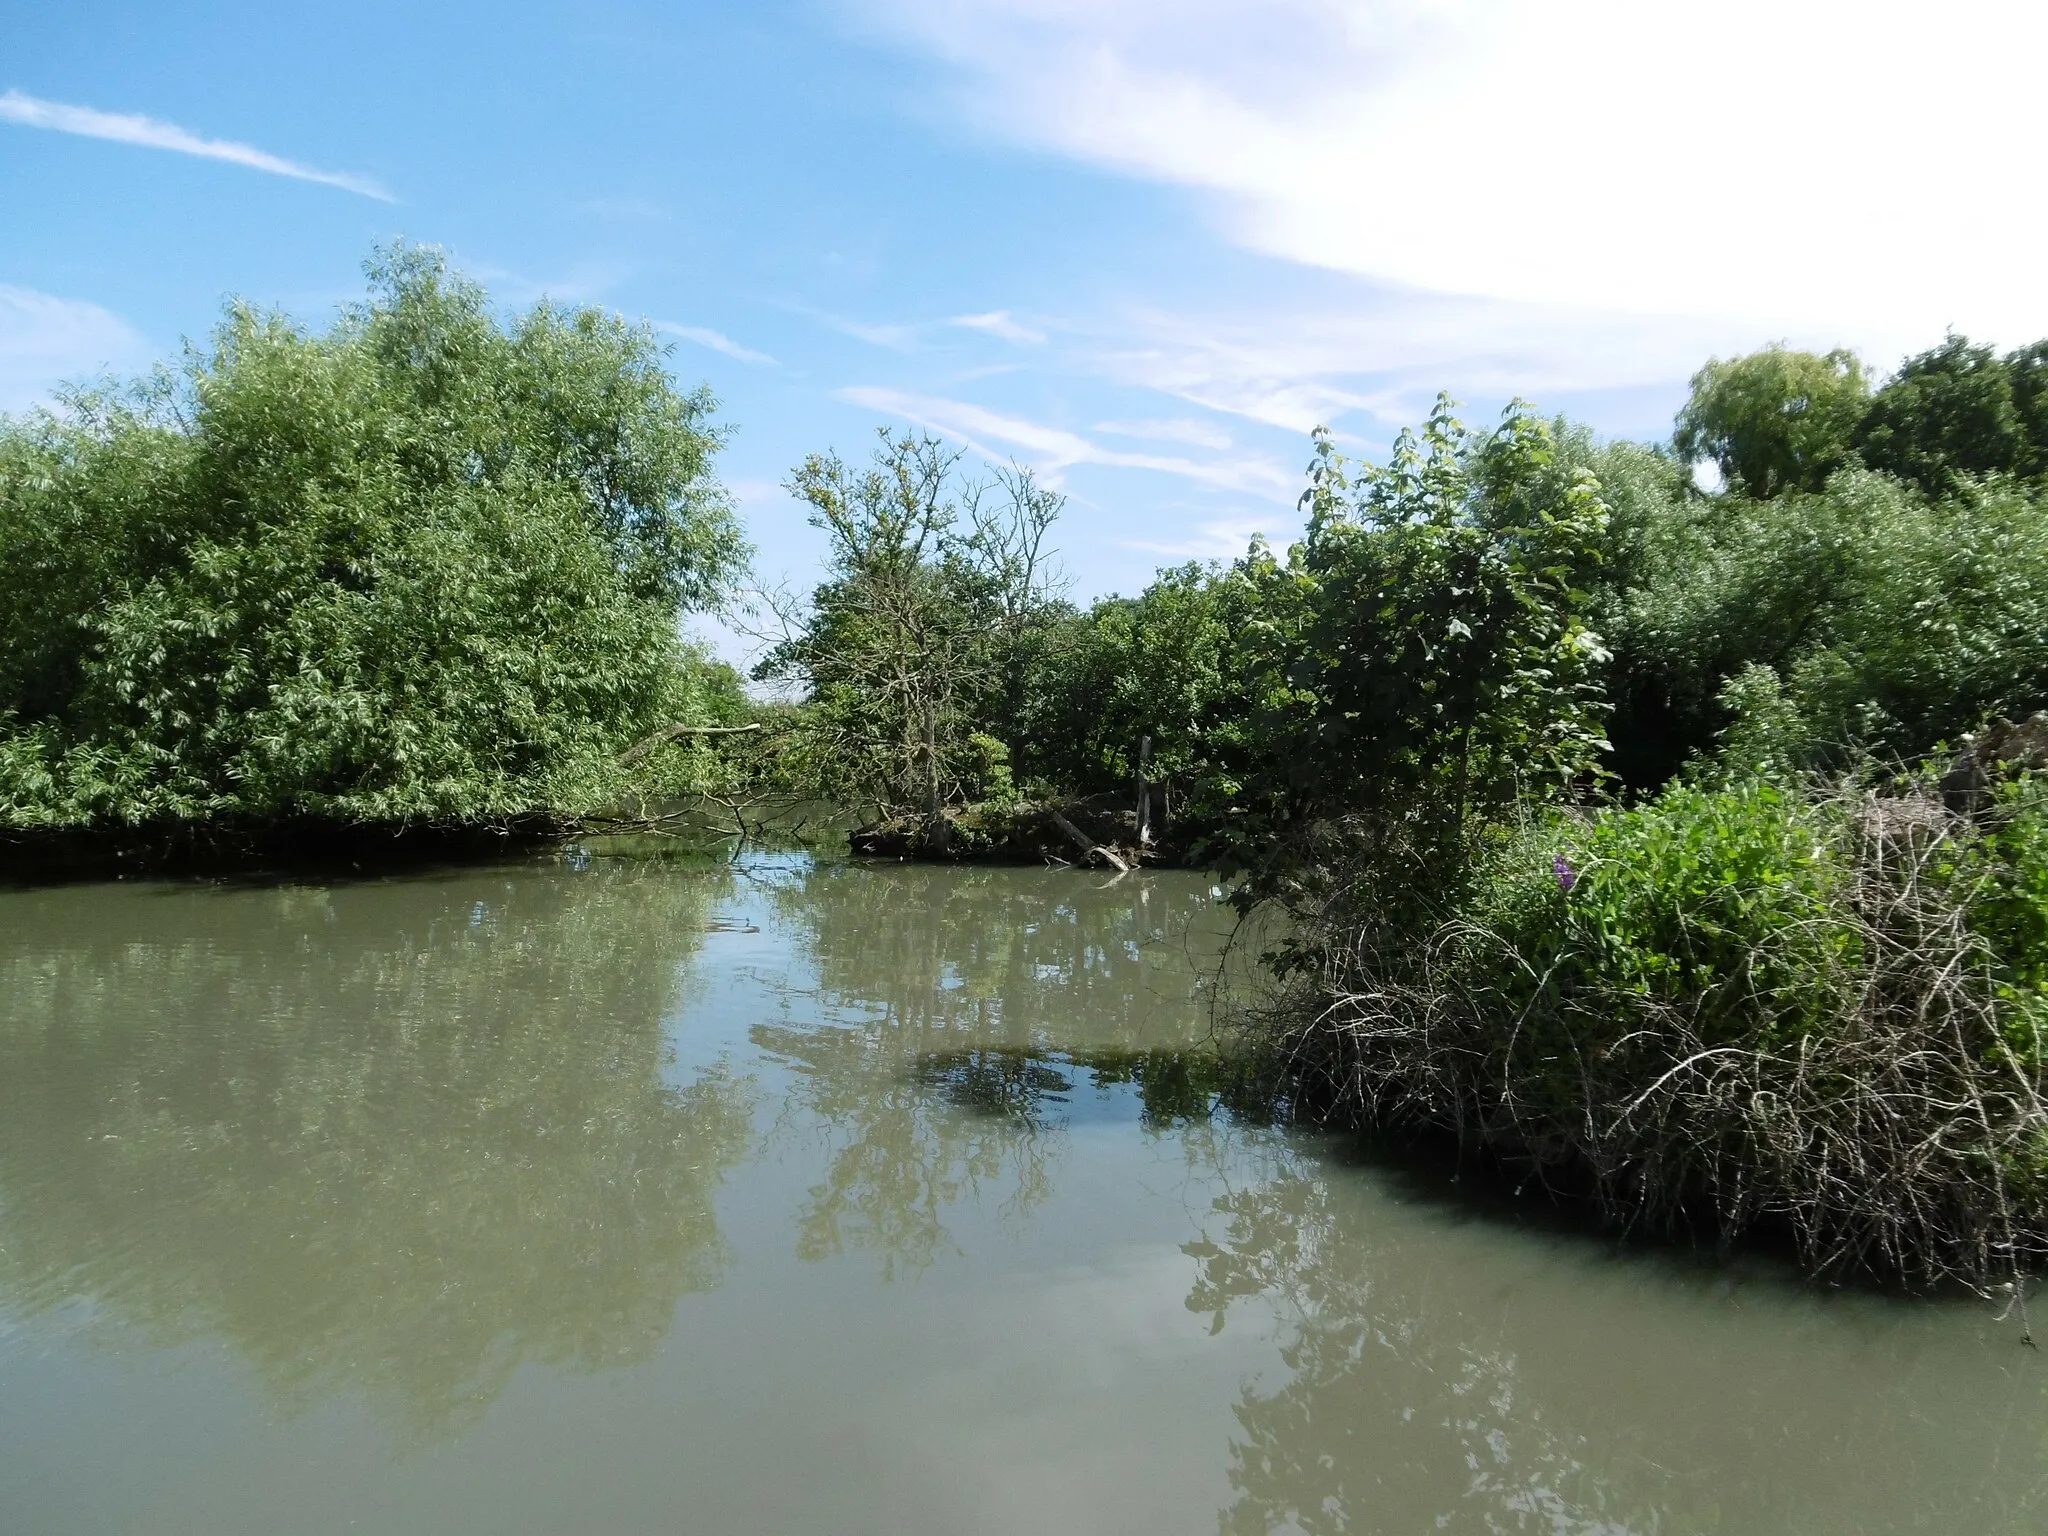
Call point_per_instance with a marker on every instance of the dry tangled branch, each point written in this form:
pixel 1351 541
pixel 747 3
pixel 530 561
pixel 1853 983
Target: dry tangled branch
pixel 1885 1142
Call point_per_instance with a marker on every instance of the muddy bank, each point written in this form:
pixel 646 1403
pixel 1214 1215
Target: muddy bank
pixel 1101 831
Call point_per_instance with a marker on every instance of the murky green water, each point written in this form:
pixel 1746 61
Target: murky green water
pixel 639 1198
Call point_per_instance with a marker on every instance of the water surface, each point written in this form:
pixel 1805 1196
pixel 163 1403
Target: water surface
pixel 772 1197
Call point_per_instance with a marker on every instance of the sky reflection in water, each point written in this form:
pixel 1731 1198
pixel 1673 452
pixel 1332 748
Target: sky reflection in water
pixel 670 1195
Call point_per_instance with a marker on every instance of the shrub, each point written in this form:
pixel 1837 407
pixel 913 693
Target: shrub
pixel 1745 1004
pixel 1156 665
pixel 1893 622
pixel 1418 665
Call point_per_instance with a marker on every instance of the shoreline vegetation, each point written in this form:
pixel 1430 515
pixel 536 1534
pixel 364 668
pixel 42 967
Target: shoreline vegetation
pixel 1682 851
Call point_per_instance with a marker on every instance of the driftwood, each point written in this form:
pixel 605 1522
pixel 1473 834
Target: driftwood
pixel 1088 845
pixel 669 733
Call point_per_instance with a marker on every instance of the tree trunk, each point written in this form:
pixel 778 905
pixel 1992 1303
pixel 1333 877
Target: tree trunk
pixel 1144 792
pixel 937 833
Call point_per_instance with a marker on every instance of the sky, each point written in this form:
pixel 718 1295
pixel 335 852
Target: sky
pixel 1143 246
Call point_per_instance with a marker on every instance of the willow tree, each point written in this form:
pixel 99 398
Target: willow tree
pixel 426 566
pixel 1775 420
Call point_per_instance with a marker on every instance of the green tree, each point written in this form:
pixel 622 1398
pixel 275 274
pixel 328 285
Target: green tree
pixel 426 566
pixel 1153 665
pixel 1948 412
pixel 1419 664
pixel 915 652
pixel 1773 420
pixel 2028 370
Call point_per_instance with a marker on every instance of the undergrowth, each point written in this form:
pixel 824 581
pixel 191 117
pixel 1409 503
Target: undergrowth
pixel 1819 1007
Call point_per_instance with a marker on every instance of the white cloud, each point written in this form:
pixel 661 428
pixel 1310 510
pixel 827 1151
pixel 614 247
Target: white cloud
pixel 1221 538
pixel 46 341
pixel 717 341
pixel 1386 352
pixel 151 133
pixel 1857 166
pixel 1178 429
pixel 1054 449
pixel 587 282
pixel 998 322
pixel 896 338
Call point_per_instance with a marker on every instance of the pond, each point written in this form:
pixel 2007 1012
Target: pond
pixel 630 1195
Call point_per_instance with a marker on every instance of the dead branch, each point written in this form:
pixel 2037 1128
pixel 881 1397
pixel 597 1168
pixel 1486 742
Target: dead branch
pixel 1087 844
pixel 669 733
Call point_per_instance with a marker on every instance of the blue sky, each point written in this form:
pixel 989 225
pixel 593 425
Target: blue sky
pixel 1143 245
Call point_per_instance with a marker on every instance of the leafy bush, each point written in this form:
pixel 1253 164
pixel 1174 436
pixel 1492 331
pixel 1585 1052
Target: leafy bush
pixel 1158 665
pixel 1417 666
pixel 1893 622
pixel 425 567
pixel 1749 1003
pixel 1720 901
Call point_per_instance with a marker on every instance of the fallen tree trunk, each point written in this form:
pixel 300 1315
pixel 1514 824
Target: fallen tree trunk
pixel 1088 845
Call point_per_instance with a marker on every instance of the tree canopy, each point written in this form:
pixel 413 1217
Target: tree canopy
pixel 1948 412
pixel 1775 420
pixel 426 566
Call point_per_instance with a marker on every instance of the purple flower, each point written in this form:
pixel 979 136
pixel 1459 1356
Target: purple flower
pixel 1567 877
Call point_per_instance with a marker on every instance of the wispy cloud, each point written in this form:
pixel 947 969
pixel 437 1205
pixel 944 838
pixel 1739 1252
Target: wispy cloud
pixel 1220 538
pixel 1053 449
pixel 1367 349
pixel 896 338
pixel 46 341
pixel 999 322
pixel 153 133
pixel 717 341
pixel 1177 429
pixel 586 282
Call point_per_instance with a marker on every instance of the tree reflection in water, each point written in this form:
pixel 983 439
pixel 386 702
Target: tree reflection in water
pixel 1383 1424
pixel 971 1015
pixel 402 1135
pixel 1451 1370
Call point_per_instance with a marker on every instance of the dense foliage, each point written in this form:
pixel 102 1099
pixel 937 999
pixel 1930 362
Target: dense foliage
pixel 1794 983
pixel 1158 665
pixel 1775 977
pixel 915 653
pixel 425 567
pixel 1419 662
pixel 1889 621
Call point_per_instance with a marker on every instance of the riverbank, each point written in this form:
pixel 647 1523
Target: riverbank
pixel 1100 831
pixel 313 848
pixel 1814 1008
